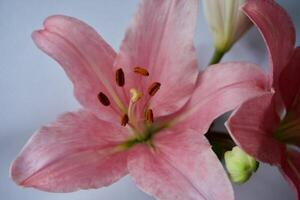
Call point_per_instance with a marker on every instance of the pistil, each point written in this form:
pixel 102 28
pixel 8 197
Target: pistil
pixel 135 97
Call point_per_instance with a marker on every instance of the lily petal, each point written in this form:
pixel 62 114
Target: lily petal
pixel 290 82
pixel 252 127
pixel 280 40
pixel 291 170
pixel 222 88
pixel 75 152
pixel 181 166
pixel 84 55
pixel 162 43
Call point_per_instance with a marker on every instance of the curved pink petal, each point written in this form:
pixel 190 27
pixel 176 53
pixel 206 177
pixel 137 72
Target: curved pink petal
pixel 221 88
pixel 181 166
pixel 290 81
pixel 160 39
pixel 291 170
pixel 277 30
pixel 252 127
pixel 84 55
pixel 75 152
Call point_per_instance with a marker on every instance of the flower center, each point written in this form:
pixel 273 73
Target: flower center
pixel 145 138
pixel 288 130
pixel 139 123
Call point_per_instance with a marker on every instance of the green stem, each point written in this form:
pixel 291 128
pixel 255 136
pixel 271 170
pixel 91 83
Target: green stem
pixel 220 141
pixel 217 56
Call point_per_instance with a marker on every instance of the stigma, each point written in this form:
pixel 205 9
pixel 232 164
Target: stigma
pixel 135 95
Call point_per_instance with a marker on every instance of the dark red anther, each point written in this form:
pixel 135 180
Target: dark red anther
pixel 120 77
pixel 154 87
pixel 103 99
pixel 124 120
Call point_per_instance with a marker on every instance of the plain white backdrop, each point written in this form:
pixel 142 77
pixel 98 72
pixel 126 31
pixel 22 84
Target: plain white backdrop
pixel 34 90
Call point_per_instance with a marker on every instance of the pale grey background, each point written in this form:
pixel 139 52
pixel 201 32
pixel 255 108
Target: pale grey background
pixel 34 89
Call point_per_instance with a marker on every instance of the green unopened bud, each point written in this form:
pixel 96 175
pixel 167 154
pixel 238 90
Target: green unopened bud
pixel 240 165
pixel 226 21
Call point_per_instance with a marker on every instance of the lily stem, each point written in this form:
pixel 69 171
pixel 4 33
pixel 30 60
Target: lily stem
pixel 217 56
pixel 220 141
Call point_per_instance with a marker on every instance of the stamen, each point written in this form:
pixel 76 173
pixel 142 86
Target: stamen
pixel 141 71
pixel 153 88
pixel 120 77
pixel 103 99
pixel 149 116
pixel 135 95
pixel 124 120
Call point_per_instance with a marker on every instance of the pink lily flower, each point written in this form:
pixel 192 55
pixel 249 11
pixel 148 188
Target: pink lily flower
pixel 267 127
pixel 145 110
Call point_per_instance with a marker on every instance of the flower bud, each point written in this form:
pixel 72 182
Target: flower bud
pixel 227 22
pixel 240 165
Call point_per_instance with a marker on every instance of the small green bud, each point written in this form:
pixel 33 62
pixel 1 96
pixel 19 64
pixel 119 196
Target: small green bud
pixel 240 165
